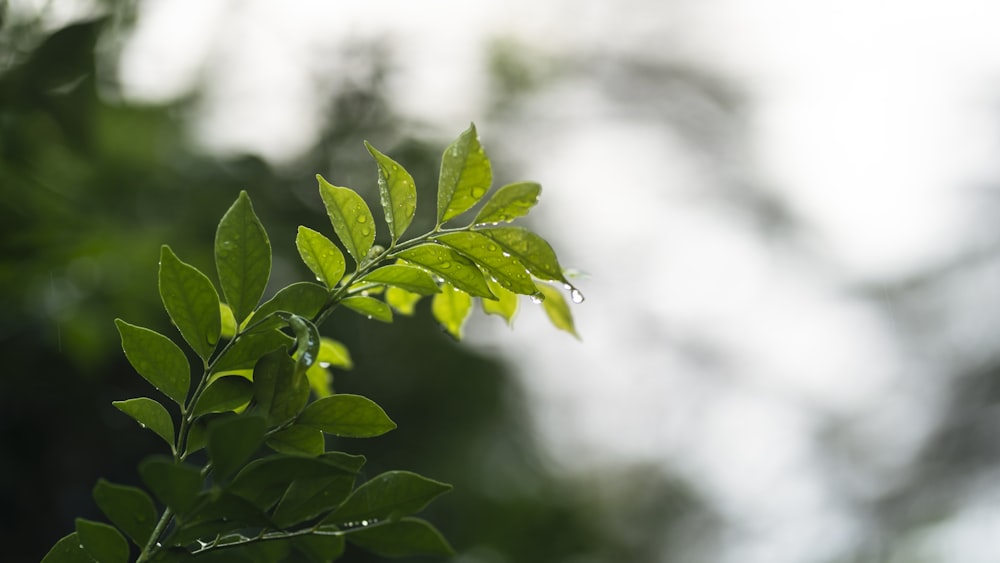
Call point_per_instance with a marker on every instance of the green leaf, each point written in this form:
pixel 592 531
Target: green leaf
pixel 398 193
pixel 465 176
pixel 405 277
pixel 174 484
pixel 505 305
pixel 557 309
pixel 308 498
pixel 224 394
pixel 191 301
pixel 129 508
pixel 307 340
pixel 229 325
pixel 157 359
pixel 480 248
pixel 149 414
pixel 242 257
pixel 321 256
pixel 509 203
pixel 402 538
pixel 68 550
pixel 530 249
pixel 231 441
pixel 334 353
pixel 299 440
pixel 320 548
pixel 454 268
pixel 351 416
pixel 264 481
pixel 249 348
pixel 451 308
pixel 320 380
pixel 219 512
pixel 402 301
pixel 304 299
pixel 389 495
pixel 351 218
pixel 369 307
pixel 102 542
pixel 280 391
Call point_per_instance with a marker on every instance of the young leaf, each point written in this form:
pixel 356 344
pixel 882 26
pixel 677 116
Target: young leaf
pixel 280 391
pixel 245 352
pixel 369 307
pixel 557 309
pixel 465 176
pixel 402 538
pixel 334 353
pixel 229 325
pixel 232 440
pixel 398 193
pixel 320 380
pixel 297 440
pixel 454 268
pixel 402 301
pixel 102 542
pixel 307 340
pixel 405 277
pixel 191 301
pixel 68 550
pixel 242 257
pixel 304 299
pixel 224 394
pixel 507 270
pixel 505 305
pixel 509 203
pixel 389 495
pixel 530 249
pixel 321 256
pixel 451 307
pixel 128 508
pixel 351 218
pixel 308 498
pixel 157 359
pixel 345 415
pixel 149 414
pixel 174 484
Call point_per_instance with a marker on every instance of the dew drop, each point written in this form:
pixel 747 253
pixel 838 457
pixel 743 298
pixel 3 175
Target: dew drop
pixel 576 296
pixel 364 522
pixel 142 425
pixel 445 265
pixel 537 298
pixel 506 254
pixel 366 231
pixel 324 364
pixel 492 248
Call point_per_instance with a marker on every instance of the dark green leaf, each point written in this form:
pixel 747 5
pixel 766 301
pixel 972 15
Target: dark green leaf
pixel 129 508
pixel 389 495
pixel 308 498
pixel 192 303
pixel 263 481
pixel 402 301
pixel 149 414
pixel 351 218
pixel 174 484
pixel 224 394
pixel 369 307
pixel 300 440
pixel 321 256
pixel 157 359
pixel 481 249
pixel 307 340
pixel 451 308
pixel 454 268
pixel 509 203
pixel 347 415
pixel 231 441
pixel 333 353
pixel 465 176
pixel 402 538
pixel 280 391
pixel 68 550
pixel 405 277
pixel 219 512
pixel 105 544
pixel 304 299
pixel 505 305
pixel 348 462
pixel 398 193
pixel 249 348
pixel 530 249
pixel 242 257
pixel 557 309
pixel 320 548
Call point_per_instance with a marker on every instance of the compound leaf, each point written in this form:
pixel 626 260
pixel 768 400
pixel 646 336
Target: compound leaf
pixel 224 394
pixel 352 416
pixel 242 257
pixel 191 301
pixel 509 203
pixel 350 216
pixel 149 414
pixel 102 542
pixel 321 256
pixel 507 270
pixel 451 308
pixel 402 276
pixel 369 307
pixel 454 268
pixel 157 359
pixel 465 176
pixel 401 538
pixel 397 191
pixel 389 495
pixel 129 508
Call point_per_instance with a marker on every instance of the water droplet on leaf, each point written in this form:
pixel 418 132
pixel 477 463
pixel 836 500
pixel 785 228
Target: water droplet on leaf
pixel 575 295
pixel 537 298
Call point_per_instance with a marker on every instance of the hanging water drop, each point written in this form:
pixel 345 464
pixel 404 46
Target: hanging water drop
pixel 575 295
pixel 537 298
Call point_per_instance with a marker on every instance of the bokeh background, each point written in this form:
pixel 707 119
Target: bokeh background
pixel 784 215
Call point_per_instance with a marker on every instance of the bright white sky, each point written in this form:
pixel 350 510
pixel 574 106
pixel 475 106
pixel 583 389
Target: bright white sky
pixel 873 120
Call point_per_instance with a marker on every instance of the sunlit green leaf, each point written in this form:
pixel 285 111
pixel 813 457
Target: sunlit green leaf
pixel 228 321
pixel 304 299
pixel 320 380
pixel 465 176
pixel 308 498
pixel 174 484
pixel 264 481
pixel 530 249
pixel 505 305
pixel 454 268
pixel 280 391
pixel 451 308
pixel 481 249
pixel 405 277
pixel 351 218
pixel 557 309
pixel 249 348
pixel 149 414
pixel 509 203
pixel 351 416
pixel 398 193
pixel 129 508
pixel 389 495
pixel 334 353
pixel 224 394
pixel 231 441
pixel 300 440
pixel 402 538
pixel 102 542
pixel 321 256
pixel 157 359
pixel 68 550
pixel 369 307
pixel 319 548
pixel 191 301
pixel 402 301
pixel 242 257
